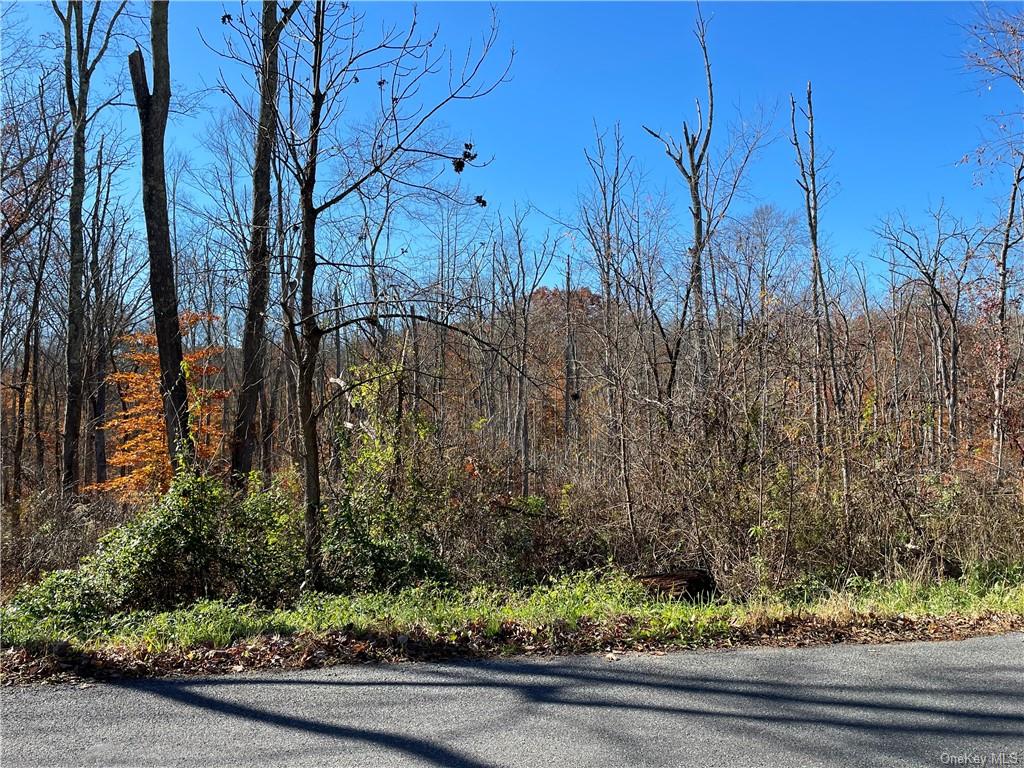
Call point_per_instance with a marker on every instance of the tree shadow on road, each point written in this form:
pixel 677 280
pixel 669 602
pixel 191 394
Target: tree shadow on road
pixel 428 751
pixel 823 719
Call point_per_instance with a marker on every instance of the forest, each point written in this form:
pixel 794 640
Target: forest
pixel 338 372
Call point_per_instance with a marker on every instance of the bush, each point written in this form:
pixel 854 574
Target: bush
pixel 262 545
pixel 377 535
pixel 60 605
pixel 170 554
pixel 378 549
pixel 193 543
pixel 165 557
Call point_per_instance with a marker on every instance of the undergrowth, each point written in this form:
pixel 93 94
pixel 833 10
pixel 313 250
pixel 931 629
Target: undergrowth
pixel 204 568
pixel 439 612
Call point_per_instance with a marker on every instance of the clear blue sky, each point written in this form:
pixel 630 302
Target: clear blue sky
pixel 891 97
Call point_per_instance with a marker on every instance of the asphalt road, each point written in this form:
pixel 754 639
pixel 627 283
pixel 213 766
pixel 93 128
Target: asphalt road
pixel 918 704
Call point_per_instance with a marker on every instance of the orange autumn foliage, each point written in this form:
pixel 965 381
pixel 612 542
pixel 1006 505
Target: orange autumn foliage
pixel 141 448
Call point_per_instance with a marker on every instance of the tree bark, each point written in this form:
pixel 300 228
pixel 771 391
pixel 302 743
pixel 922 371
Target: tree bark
pixel 79 66
pixel 310 330
pixel 78 102
pixel 152 109
pixel 1003 341
pixel 243 435
pixel 267 419
pixel 98 396
pixel 29 371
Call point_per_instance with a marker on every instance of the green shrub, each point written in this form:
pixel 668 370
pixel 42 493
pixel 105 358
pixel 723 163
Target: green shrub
pixel 60 605
pixel 994 573
pixel 165 557
pixel 382 548
pixel 262 545
pixel 376 536
pixel 169 555
pixel 194 543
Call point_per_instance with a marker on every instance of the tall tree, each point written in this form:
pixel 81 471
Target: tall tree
pixel 690 157
pixel 809 164
pixel 34 179
pixel 80 36
pixel 712 183
pixel 153 108
pixel 243 436
pixel 996 53
pixel 1012 234
pixel 398 145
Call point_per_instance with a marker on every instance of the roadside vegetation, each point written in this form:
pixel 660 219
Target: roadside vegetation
pixel 344 404
pixel 599 600
pixel 201 572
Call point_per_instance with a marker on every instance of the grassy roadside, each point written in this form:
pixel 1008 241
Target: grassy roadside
pixel 589 612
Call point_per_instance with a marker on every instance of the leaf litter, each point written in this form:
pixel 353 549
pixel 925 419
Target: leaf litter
pixel 64 662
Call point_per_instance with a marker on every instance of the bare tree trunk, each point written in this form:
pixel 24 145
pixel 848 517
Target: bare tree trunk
pixel 337 444
pixel 98 396
pixel 268 413
pixel 570 393
pixel 311 333
pixel 823 331
pixel 1002 342
pixel 76 302
pixel 523 412
pixel 152 109
pixel 243 434
pixel 98 401
pixel 691 160
pixel 30 363
pixel 290 353
pixel 12 492
pixel 824 341
pixel 37 416
pixel 75 63
pixel 79 66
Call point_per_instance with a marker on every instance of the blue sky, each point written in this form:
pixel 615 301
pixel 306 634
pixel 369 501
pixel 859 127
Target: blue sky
pixel 892 100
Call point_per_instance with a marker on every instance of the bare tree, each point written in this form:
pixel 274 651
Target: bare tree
pixel 810 165
pixel 1012 235
pixel 996 53
pixel 153 109
pixel 519 276
pixel 327 46
pixel 85 43
pixel 941 262
pixel 31 153
pixel 243 437
pixel 691 158
pixel 712 184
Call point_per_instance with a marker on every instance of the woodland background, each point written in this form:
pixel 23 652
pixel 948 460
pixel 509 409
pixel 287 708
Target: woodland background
pixel 363 377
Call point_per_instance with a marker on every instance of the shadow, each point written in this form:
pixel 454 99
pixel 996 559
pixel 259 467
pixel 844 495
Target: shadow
pixel 797 707
pixel 838 705
pixel 406 745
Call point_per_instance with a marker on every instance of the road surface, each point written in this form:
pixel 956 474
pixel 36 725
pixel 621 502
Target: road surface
pixel 915 704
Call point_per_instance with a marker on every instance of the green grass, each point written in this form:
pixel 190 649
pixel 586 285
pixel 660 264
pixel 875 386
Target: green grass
pixel 440 613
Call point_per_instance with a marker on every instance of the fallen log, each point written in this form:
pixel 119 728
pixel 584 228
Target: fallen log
pixel 689 583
